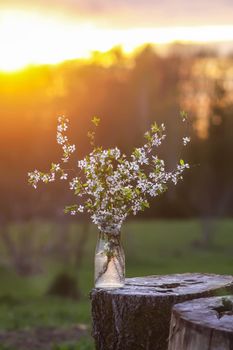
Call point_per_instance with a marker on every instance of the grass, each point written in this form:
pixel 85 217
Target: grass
pixel 151 247
pixel 84 344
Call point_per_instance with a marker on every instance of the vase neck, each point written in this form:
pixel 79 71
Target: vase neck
pixel 106 236
pixel 110 228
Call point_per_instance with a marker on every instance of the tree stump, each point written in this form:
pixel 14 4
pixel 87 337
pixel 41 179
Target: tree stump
pixel 137 316
pixel 205 324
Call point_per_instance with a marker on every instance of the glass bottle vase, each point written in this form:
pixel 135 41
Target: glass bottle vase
pixel 109 261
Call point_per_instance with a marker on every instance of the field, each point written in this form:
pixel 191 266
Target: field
pixel 151 247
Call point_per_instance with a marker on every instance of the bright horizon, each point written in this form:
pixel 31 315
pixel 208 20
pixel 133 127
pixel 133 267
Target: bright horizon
pixel 33 38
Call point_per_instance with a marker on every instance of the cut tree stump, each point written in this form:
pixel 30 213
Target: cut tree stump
pixel 137 316
pixel 205 324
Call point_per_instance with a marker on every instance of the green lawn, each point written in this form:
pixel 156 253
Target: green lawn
pixel 151 247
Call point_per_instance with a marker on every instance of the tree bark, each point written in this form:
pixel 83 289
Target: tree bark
pixel 137 316
pixel 205 324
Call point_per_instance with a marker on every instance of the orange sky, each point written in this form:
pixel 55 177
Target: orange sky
pixel 35 32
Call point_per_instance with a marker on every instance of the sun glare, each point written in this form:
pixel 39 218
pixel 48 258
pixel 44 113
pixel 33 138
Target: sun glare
pixel 33 39
pixel 30 38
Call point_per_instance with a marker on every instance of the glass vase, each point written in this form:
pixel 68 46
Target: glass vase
pixel 109 261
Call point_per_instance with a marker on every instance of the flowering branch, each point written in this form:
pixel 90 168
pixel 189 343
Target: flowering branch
pixel 113 186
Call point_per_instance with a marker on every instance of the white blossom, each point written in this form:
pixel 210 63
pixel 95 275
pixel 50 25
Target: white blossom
pixel 64 176
pixel 80 209
pixel 82 164
pixel 186 140
pixel 61 139
pixel 56 167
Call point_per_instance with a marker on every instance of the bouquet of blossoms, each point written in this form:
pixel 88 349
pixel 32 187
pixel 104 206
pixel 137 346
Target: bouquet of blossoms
pixel 111 186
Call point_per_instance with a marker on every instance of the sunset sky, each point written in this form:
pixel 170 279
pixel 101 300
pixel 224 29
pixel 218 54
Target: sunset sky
pixel 50 31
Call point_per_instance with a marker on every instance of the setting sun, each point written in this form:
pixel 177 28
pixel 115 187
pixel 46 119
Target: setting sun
pixel 28 38
pixel 32 38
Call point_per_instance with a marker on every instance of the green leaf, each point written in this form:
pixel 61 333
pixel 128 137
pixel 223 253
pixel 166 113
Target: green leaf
pixel 181 162
pixel 127 192
pixel 184 115
pixel 154 127
pixel 96 120
pixel 137 191
pixel 70 208
pixel 147 136
pixel 136 153
pixel 144 205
